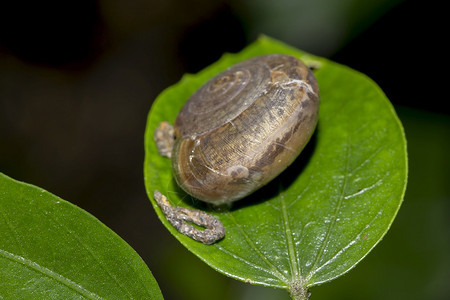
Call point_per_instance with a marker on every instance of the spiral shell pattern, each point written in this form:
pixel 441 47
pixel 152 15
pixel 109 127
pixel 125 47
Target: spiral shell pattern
pixel 244 127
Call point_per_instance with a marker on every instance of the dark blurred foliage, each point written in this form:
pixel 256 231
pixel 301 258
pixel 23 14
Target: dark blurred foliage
pixel 404 52
pixel 54 33
pixel 77 79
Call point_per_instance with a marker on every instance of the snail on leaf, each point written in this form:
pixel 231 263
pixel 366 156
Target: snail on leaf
pixel 235 134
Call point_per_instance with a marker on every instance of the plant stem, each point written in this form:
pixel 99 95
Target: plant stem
pixel 299 292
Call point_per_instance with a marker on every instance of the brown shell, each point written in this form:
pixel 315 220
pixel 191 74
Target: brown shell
pixel 244 127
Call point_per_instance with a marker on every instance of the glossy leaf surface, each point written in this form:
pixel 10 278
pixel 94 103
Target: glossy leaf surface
pixel 51 249
pixel 321 216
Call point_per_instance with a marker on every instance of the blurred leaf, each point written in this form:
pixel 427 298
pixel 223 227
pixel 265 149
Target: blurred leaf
pixel 318 26
pixel 51 249
pixel 327 210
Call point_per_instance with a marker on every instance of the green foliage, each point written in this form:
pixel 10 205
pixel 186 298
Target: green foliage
pixel 51 249
pixel 328 210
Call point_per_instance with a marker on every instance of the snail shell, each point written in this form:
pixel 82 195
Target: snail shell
pixel 244 127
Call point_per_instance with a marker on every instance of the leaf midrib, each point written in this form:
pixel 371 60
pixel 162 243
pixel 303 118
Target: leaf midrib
pixel 92 254
pixel 49 273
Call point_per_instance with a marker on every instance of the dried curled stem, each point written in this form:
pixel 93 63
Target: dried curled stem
pixel 164 137
pixel 180 218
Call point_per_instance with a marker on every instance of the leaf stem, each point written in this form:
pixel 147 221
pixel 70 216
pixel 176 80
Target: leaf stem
pixel 299 292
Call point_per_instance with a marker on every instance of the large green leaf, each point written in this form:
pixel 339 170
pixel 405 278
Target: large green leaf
pixel 325 212
pixel 51 249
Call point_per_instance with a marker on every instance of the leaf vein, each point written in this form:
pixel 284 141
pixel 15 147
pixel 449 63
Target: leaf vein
pixel 334 217
pixel 363 190
pixel 351 243
pixel 240 258
pixel 275 272
pixel 302 193
pixel 367 160
pixel 295 266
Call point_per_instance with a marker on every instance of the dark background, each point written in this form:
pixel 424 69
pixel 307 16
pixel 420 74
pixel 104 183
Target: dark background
pixel 77 79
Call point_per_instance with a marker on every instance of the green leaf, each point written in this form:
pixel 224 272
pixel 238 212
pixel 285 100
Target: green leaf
pixel 326 211
pixel 51 249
